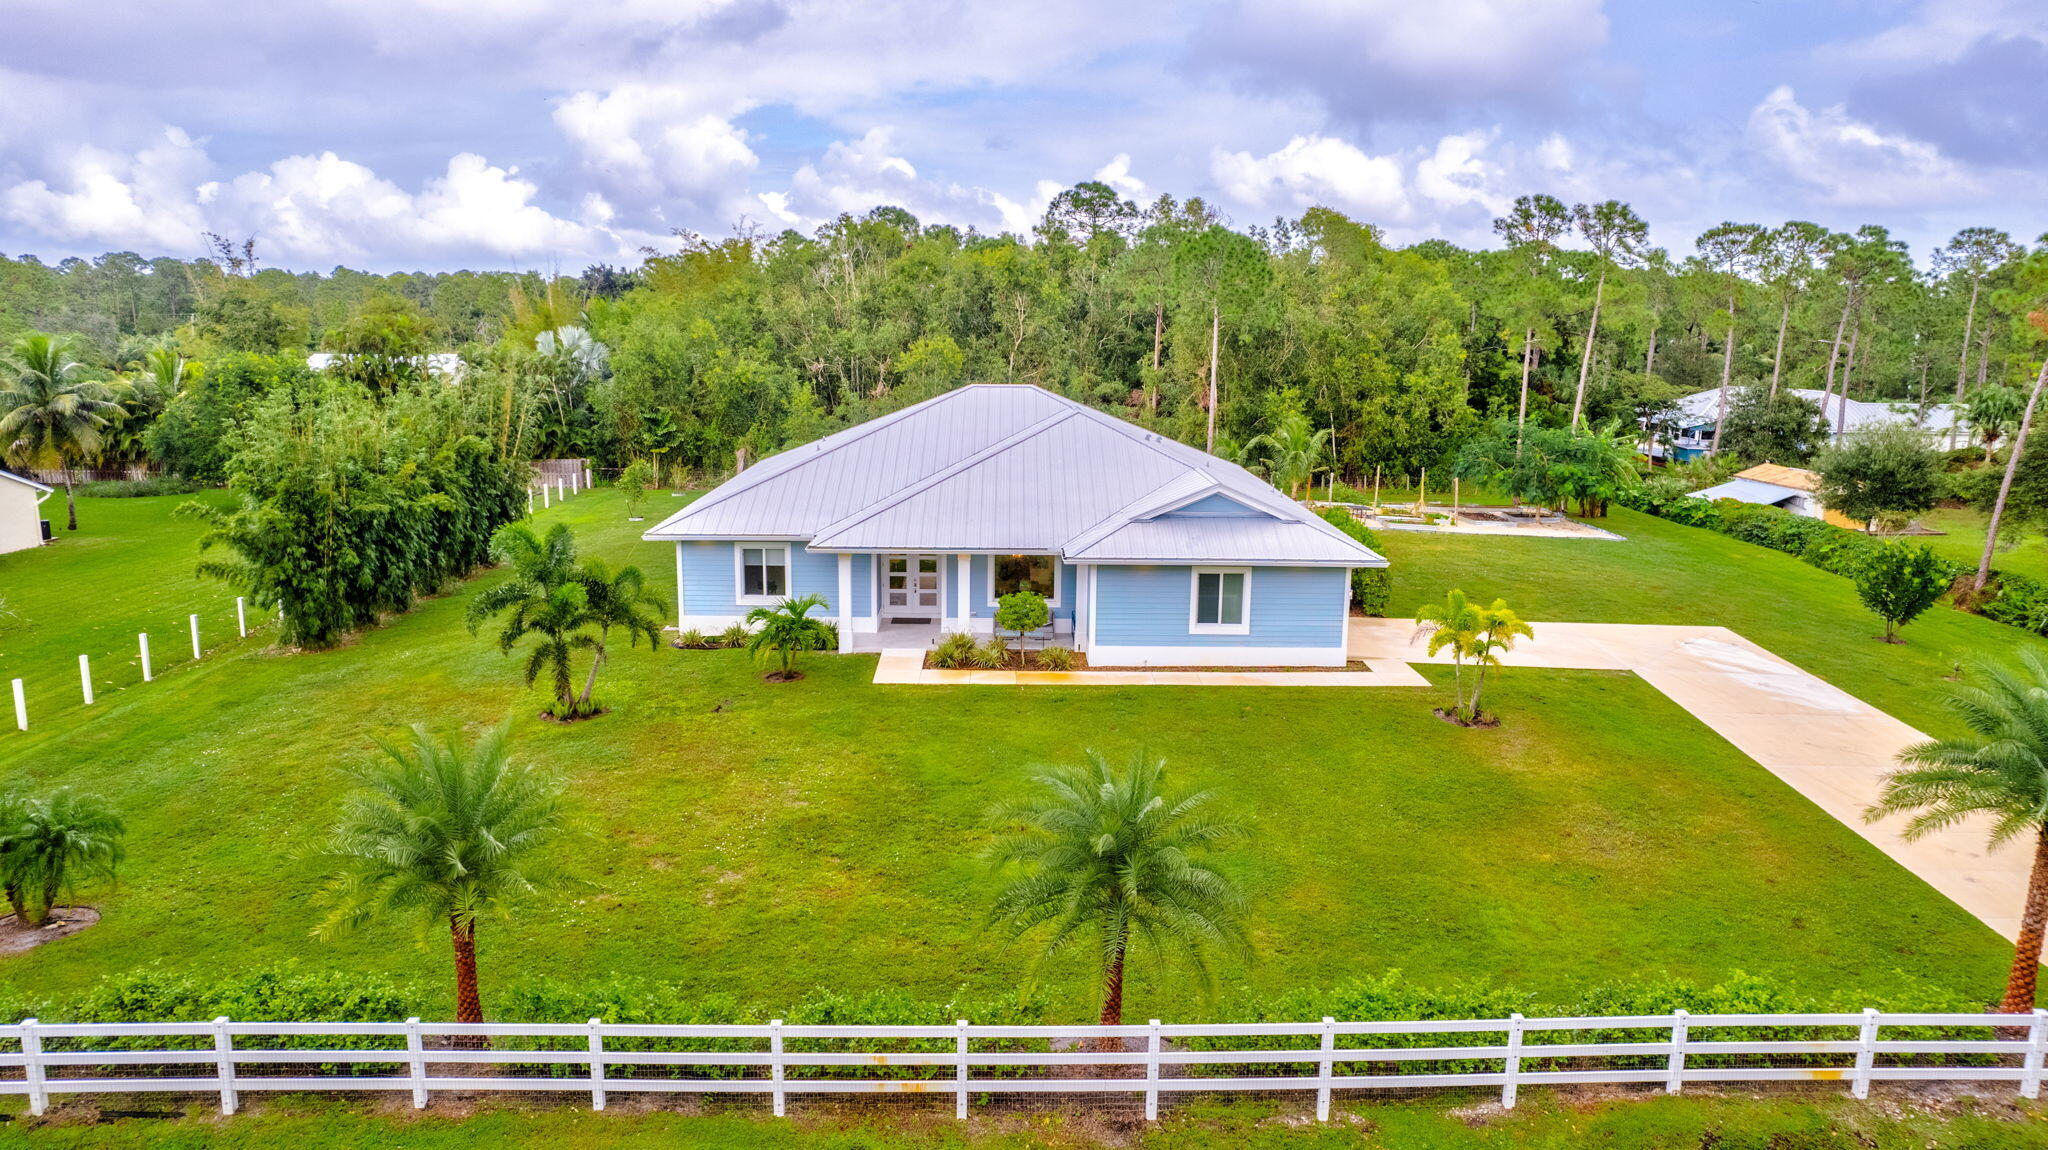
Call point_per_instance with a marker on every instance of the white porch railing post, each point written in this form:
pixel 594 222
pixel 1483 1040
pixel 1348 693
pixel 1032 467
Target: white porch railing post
pixel 775 1066
pixel 1866 1054
pixel 416 1063
pixel 1325 1068
pixel 224 1061
pixel 960 1070
pixel 1674 1078
pixel 1151 1061
pixel 241 617
pixel 144 638
pixel 596 1064
pixel 194 620
pixel 2037 1046
pixel 32 1067
pixel 1511 1065
pixel 85 677
pixel 20 707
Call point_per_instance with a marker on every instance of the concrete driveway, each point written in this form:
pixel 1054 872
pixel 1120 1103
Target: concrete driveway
pixel 1827 744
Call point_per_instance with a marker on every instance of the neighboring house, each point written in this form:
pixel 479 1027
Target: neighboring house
pixel 1769 485
pixel 1150 552
pixel 1697 414
pixel 21 517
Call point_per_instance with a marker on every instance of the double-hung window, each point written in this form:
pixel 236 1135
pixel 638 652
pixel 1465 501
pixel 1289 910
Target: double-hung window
pixel 763 573
pixel 1222 601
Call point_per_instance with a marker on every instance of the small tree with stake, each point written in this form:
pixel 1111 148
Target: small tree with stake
pixel 1022 611
pixel 634 481
pixel 1898 582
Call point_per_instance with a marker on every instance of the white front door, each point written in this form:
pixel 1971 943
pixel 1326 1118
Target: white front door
pixel 910 583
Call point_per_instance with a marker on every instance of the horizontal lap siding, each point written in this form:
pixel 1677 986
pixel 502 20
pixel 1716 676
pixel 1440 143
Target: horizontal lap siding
pixel 709 583
pixel 1148 607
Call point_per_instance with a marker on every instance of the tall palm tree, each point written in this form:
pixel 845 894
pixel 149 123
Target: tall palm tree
pixel 1295 451
pixel 49 846
pixel 1110 859
pixel 1453 623
pixel 443 835
pixel 781 631
pixel 1999 769
pixel 617 599
pixel 49 418
pixel 545 598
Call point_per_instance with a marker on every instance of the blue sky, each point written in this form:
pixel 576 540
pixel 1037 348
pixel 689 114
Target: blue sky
pixel 399 134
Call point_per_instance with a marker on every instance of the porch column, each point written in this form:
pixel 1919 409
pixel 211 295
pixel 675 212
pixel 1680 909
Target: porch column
pixel 845 603
pixel 679 586
pixel 964 564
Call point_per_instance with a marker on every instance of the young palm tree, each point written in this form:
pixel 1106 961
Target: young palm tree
pixel 1999 769
pixel 1453 623
pixel 1499 627
pixel 49 846
pixel 617 599
pixel 784 630
pixel 47 417
pixel 1294 449
pixel 1111 860
pixel 443 835
pixel 546 598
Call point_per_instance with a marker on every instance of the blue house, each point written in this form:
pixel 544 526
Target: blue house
pixel 1150 552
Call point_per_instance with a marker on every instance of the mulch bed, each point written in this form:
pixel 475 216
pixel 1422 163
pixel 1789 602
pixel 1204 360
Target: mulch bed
pixel 16 937
pixel 1017 661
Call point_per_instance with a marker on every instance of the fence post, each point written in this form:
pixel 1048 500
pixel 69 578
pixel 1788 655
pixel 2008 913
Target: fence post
pixel 1675 1076
pixel 1324 1069
pixel 775 1065
pixel 960 1070
pixel 20 707
pixel 1866 1054
pixel 194 619
pixel 2037 1046
pixel 85 678
pixel 145 655
pixel 546 497
pixel 529 501
pixel 241 618
pixel 1512 1064
pixel 1151 1072
pixel 224 1059
pixel 416 1063
pixel 32 1067
pixel 596 1064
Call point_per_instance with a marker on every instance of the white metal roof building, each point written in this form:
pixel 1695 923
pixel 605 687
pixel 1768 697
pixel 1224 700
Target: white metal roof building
pixel 1700 411
pixel 21 520
pixel 931 513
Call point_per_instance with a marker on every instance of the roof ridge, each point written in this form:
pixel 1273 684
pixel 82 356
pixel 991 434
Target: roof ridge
pixel 1021 435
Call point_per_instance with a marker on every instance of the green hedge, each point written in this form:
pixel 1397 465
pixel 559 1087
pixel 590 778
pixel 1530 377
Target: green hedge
pixel 1368 584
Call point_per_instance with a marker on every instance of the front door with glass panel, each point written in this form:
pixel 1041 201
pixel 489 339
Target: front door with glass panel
pixel 910 584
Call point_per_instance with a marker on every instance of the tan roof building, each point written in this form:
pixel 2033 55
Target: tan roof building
pixel 1771 484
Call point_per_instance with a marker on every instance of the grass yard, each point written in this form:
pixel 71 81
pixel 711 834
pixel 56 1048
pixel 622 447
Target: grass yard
pixel 1963 542
pixel 762 840
pixel 1643 1123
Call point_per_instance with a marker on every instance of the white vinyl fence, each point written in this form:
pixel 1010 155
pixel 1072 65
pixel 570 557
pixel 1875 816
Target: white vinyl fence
pixel 965 1061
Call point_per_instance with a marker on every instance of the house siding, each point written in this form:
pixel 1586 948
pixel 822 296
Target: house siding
pixel 21 520
pixel 1210 505
pixel 1291 607
pixel 710 588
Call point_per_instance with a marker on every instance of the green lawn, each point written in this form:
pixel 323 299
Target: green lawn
pixel 762 840
pixel 1963 541
pixel 1643 1123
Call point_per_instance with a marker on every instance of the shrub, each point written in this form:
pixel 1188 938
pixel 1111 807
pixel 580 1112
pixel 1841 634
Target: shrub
pixel 136 488
pixel 693 639
pixel 735 636
pixel 1899 581
pixel 2020 602
pixel 1022 611
pixel 955 650
pixel 1368 584
pixel 1056 659
pixel 992 654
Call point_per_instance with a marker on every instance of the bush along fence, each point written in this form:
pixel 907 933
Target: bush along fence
pixel 2009 598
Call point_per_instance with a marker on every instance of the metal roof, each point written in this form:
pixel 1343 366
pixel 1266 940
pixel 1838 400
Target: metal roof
pixel 1009 468
pixel 1748 491
pixel 1702 408
pixel 23 479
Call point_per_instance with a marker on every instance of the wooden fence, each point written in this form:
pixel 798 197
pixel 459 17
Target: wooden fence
pixel 967 1062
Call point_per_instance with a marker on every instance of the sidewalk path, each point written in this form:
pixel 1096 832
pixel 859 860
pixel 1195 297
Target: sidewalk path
pixel 1828 745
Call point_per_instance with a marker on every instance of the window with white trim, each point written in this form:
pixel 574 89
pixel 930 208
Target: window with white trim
pixel 1221 601
pixel 1035 573
pixel 763 574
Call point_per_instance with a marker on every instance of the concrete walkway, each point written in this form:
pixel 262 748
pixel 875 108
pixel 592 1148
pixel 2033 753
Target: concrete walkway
pixel 1828 745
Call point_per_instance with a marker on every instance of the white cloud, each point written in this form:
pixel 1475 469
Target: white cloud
pixel 1314 170
pixel 146 199
pixel 1458 173
pixel 1941 30
pixel 651 143
pixel 1848 162
pixel 1117 174
pixel 856 175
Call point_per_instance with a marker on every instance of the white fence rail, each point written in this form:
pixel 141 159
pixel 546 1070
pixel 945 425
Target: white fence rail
pixel 228 1058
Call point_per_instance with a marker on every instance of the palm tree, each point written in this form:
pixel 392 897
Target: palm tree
pixel 617 600
pixel 1454 623
pixel 1999 769
pixel 443 834
pixel 784 630
pixel 48 418
pixel 1295 450
pixel 1499 627
pixel 49 846
pixel 545 597
pixel 1111 860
